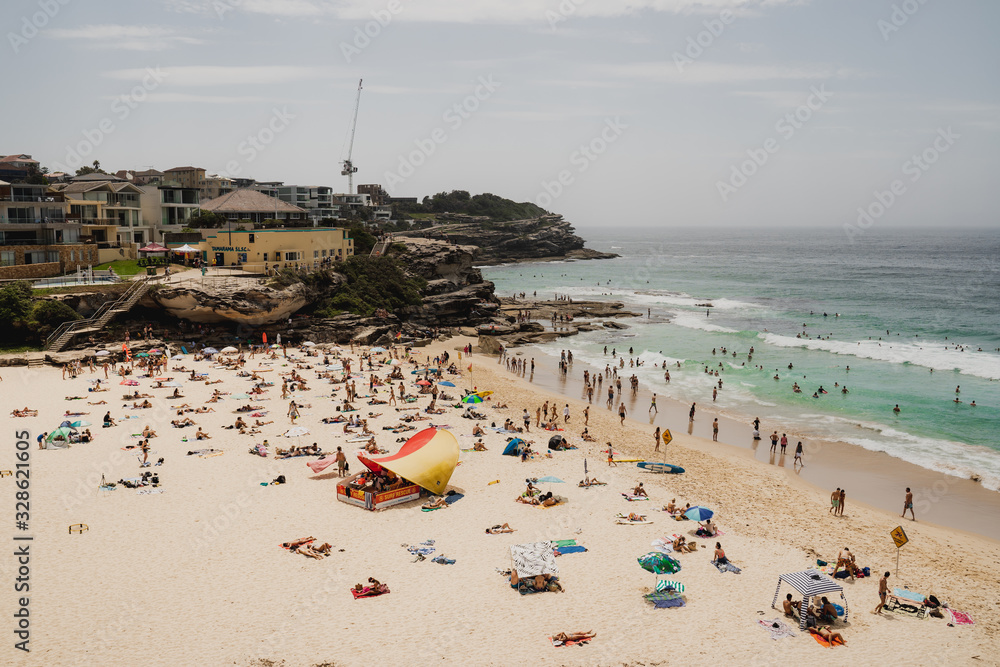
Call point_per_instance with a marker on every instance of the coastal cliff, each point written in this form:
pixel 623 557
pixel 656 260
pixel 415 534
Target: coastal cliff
pixel 547 237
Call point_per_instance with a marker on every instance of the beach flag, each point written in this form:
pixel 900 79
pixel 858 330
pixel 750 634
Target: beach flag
pixel 470 368
pixel 128 352
pixel 264 337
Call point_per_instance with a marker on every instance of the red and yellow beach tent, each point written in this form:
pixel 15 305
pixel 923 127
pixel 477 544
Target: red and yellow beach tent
pixel 428 459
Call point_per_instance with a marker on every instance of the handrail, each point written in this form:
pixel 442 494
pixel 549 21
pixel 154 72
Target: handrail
pixel 126 297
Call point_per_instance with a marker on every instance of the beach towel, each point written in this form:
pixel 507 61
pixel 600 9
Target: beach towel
pixel 147 492
pixel 908 594
pixel 569 550
pixel 557 643
pixel 443 561
pixel 665 599
pixel 426 551
pixel 960 617
pixel 633 499
pixel 563 543
pixel 823 642
pixel 322 464
pixel 726 567
pixel 369 592
pixel 780 632
pixel 454 498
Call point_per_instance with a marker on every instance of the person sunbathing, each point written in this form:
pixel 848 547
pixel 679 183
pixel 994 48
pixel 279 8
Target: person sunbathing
pixel 260 423
pixel 440 501
pixel 640 491
pixel 720 555
pixel 201 435
pixel 319 553
pixel 477 430
pixel 109 420
pixel 177 394
pixel 527 500
pixel 479 446
pixel 587 437
pixel 496 530
pixel 144 405
pixel 294 544
pixel 587 481
pixel 26 412
pixel 202 410
pixel 214 382
pixel 681 545
pixel 825 611
pixel 371 447
pixel 829 635
pixel 180 423
pixel 548 500
pixel 707 529
pixel 148 432
pixel 574 636
pixel 97 403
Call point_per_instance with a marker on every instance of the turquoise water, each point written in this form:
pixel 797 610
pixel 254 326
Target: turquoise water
pixel 915 309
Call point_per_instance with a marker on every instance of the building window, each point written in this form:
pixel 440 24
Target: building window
pixel 316 254
pixel 8 258
pixel 324 252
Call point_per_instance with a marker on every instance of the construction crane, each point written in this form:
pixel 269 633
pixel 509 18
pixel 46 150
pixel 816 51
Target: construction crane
pixel 349 169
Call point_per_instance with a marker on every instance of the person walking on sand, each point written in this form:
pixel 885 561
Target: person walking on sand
pixel 538 417
pixel 691 413
pixel 715 430
pixel 656 439
pixel 293 411
pixel 586 416
pixel 566 413
pixel 784 443
pixel 908 505
pixel 622 412
pixel 798 455
pixel 652 405
pixel 774 442
pixel 883 592
pixel 341 462
pixel 526 418
pixel 834 502
pixel 842 503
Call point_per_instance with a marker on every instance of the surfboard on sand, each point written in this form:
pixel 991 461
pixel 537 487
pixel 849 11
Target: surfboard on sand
pixel 654 466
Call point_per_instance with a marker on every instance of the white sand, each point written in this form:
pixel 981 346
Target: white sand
pixel 195 575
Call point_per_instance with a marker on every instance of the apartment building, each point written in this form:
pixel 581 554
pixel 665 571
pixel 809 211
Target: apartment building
pixel 168 208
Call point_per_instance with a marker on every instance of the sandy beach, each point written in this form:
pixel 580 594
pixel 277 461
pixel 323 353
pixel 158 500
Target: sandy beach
pixel 196 574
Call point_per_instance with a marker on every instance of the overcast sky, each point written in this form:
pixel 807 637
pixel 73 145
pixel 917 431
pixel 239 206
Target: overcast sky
pixel 653 112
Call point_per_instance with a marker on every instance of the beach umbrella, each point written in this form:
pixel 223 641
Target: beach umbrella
pixel 79 424
pixel 472 399
pixel 172 384
pixel 551 479
pixel 699 513
pixel 484 394
pixel 296 431
pixel 210 350
pixel 66 424
pixel 63 431
pixel 396 362
pixel 274 346
pixel 658 563
pixel 177 357
pixel 155 351
pixel 142 354
pixel 102 353
pixel 240 397
pixel 424 383
pixel 377 349
pixel 228 350
pixel 308 343
pixel 445 383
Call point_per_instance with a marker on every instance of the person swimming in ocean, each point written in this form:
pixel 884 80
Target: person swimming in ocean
pixel 896 409
pixel 815 395
pixel 821 390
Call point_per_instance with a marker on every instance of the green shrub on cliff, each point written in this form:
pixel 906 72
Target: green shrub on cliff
pixel 372 283
pixel 487 204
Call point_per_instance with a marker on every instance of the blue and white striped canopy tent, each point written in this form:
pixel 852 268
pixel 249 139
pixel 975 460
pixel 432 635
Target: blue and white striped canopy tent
pixel 810 583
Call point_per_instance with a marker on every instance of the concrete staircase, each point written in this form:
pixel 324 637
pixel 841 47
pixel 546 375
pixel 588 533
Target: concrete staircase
pixel 379 249
pixel 62 336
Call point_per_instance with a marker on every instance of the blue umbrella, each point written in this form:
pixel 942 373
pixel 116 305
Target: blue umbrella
pixel 698 513
pixel 551 479
pixel 445 383
pixel 472 399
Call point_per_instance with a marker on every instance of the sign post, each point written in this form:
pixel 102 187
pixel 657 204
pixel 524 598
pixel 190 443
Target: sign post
pixel 900 538
pixel 667 438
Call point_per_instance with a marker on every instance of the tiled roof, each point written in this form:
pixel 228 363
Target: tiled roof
pixel 248 201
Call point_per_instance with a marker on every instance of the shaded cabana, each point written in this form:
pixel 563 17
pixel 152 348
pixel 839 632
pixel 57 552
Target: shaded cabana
pixel 809 583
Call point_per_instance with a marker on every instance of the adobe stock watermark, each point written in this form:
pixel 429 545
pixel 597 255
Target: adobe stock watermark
pixel 223 7
pixel 698 44
pixel 562 13
pixel 581 158
pixel 786 127
pixel 32 25
pixel 254 144
pixel 915 167
pixel 454 116
pixel 121 108
pixel 899 17
pixel 363 35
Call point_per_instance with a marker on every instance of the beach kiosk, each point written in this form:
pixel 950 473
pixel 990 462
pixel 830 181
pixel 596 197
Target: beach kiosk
pixel 425 462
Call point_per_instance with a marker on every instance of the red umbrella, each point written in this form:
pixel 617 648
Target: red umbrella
pixel 424 383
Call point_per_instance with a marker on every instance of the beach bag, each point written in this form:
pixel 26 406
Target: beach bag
pixel 843 574
pixel 280 479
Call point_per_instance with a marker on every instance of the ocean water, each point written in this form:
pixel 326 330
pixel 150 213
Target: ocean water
pixel 906 315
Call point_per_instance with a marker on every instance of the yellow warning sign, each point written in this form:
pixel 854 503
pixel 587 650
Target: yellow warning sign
pixel 666 436
pixel 898 536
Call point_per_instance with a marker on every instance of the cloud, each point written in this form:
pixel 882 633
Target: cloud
pixel 218 75
pixel 125 37
pixel 705 72
pixel 480 11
